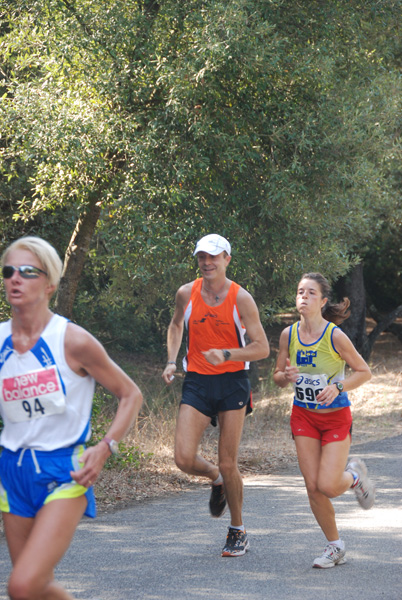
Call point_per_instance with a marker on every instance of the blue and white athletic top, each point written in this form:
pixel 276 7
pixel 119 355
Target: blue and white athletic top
pixel 43 403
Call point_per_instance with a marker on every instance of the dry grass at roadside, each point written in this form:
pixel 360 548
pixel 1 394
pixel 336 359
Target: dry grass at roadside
pixel 377 406
pixel 266 445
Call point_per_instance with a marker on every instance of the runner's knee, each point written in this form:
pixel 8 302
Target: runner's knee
pixel 183 460
pixel 329 489
pixel 21 588
pixel 228 467
pixel 312 489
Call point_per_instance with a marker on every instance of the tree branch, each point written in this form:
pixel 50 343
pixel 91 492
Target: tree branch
pixel 383 322
pixel 393 328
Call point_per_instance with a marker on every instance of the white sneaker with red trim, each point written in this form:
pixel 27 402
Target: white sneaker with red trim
pixel 333 555
pixel 362 487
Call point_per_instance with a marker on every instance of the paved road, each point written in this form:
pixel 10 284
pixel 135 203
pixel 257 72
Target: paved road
pixel 170 548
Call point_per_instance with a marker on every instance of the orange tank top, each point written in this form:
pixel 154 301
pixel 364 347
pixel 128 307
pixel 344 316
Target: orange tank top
pixel 213 327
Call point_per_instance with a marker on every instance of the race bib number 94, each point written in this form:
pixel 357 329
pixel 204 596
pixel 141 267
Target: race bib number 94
pixel 307 387
pixel 33 395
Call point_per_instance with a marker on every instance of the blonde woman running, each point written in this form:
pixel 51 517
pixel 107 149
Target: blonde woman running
pixel 48 370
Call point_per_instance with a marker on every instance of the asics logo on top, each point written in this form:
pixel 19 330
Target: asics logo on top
pixel 209 315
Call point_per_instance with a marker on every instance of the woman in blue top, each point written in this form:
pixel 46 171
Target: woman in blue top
pixel 312 356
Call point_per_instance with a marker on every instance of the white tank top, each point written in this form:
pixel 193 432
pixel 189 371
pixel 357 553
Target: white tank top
pixel 43 403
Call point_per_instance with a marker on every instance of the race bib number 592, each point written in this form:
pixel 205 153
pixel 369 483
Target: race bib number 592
pixel 33 395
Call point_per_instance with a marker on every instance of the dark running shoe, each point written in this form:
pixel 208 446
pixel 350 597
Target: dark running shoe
pixel 237 543
pixel 217 501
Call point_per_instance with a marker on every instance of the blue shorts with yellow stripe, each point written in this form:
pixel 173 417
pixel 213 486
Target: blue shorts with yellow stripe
pixel 30 478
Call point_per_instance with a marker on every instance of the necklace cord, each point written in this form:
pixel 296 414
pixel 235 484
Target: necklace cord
pixel 217 297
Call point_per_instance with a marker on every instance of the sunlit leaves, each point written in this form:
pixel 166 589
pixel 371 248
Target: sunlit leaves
pixel 274 123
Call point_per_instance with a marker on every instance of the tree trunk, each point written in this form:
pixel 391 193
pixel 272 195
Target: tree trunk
pixel 386 322
pixel 396 330
pixel 353 287
pixel 75 256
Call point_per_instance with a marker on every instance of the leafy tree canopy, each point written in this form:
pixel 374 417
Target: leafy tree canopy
pixel 276 124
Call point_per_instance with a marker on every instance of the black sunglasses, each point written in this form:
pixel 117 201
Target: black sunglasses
pixel 26 271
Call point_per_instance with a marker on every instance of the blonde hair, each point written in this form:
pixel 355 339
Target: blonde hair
pixel 47 255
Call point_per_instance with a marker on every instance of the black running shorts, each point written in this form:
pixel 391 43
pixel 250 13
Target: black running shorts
pixel 211 394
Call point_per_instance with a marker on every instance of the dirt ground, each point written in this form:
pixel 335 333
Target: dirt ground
pixel 266 444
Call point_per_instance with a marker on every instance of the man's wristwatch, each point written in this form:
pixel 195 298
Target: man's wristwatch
pixel 113 445
pixel 339 386
pixel 226 354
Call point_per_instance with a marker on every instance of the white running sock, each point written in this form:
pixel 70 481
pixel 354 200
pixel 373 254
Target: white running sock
pixel 239 527
pixel 355 478
pixel 218 480
pixel 340 543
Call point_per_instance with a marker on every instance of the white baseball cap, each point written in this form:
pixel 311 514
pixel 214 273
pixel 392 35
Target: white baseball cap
pixel 212 244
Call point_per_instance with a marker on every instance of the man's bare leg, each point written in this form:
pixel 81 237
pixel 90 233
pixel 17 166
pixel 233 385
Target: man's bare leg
pixel 190 426
pixel 231 427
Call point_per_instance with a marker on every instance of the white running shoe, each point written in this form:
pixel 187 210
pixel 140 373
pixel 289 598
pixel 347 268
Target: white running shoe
pixel 332 556
pixel 363 488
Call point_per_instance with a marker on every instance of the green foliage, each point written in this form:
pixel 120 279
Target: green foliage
pixel 276 124
pixel 383 267
pixel 102 414
pixel 114 319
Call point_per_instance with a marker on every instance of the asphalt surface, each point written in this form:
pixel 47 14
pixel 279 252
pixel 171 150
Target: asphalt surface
pixel 170 548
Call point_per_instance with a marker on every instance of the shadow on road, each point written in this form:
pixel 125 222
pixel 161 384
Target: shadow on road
pixel 170 548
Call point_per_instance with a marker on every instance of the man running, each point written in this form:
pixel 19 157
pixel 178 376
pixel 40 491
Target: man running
pixel 217 312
